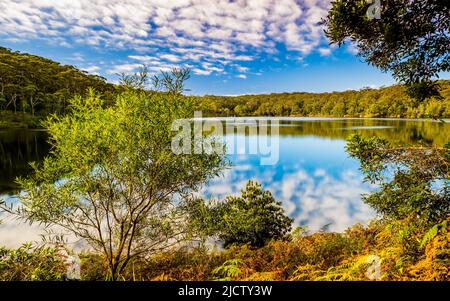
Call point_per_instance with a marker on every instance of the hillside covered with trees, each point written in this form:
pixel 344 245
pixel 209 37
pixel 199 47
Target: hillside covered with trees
pixel 31 85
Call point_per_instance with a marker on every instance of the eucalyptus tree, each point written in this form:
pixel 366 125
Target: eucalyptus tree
pixel 413 181
pixel 409 38
pixel 112 178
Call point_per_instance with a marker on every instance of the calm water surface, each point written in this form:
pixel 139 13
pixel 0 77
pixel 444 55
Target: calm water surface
pixel 319 185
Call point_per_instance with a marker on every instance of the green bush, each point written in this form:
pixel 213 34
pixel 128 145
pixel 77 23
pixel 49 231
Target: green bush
pixel 31 263
pixel 253 218
pixel 414 181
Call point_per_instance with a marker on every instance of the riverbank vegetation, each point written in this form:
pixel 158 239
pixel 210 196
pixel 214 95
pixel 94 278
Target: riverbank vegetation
pixel 405 250
pixel 319 256
pixel 123 205
pixel 121 176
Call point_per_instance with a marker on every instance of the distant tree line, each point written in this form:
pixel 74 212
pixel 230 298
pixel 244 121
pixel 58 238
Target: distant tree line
pixel 390 101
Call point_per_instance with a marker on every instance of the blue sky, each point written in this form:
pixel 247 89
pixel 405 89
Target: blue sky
pixel 232 47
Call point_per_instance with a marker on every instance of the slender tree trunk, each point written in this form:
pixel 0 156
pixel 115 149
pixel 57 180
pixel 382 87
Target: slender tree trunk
pixel 32 106
pixel 14 103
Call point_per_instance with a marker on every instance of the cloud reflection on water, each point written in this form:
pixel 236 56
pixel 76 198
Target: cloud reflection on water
pixel 316 181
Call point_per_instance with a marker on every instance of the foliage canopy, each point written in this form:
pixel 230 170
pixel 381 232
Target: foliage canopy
pixel 414 181
pixel 112 178
pixel 37 85
pixel 409 38
pixel 253 218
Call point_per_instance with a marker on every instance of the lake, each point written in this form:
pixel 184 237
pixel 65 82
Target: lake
pixel 319 185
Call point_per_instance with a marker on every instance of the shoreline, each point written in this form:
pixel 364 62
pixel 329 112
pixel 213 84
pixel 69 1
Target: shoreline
pixel 33 122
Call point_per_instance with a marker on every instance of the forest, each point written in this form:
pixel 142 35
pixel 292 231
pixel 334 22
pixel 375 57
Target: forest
pixel 31 87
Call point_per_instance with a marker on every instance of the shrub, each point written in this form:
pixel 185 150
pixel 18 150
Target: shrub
pixel 414 181
pixel 253 218
pixel 31 263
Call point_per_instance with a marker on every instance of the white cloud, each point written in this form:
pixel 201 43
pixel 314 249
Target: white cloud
pixel 124 68
pixel 91 69
pixel 14 234
pixel 241 76
pixel 352 48
pixel 143 58
pixel 78 57
pixel 314 198
pixel 241 69
pixel 208 30
pixel 170 57
pixel 201 71
pixel 324 51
